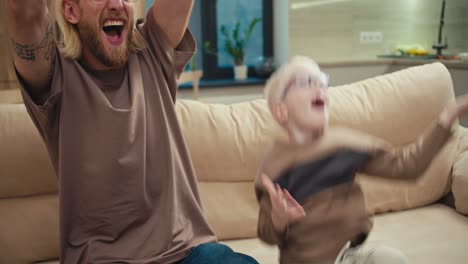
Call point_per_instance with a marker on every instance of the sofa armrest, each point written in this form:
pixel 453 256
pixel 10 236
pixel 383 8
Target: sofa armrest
pixel 460 173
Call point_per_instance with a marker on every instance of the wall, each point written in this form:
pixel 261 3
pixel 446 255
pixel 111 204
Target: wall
pixel 281 31
pixel 329 29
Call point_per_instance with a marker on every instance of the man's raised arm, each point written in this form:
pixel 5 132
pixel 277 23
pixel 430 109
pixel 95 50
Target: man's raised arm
pixel 173 17
pixel 31 33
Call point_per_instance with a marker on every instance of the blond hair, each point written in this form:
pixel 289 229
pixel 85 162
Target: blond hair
pixel 69 40
pixel 276 85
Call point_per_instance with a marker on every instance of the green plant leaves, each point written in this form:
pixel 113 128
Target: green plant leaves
pixel 234 43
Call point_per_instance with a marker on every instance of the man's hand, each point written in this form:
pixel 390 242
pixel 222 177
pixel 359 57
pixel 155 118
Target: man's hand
pixel 173 17
pixel 284 209
pixel 454 110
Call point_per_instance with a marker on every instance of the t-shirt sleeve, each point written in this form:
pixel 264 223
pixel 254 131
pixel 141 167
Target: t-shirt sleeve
pixel 44 115
pixel 408 161
pixel 173 61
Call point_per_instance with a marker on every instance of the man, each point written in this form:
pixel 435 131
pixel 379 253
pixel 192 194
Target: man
pixel 103 98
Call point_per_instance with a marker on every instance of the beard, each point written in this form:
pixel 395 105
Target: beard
pixel 108 55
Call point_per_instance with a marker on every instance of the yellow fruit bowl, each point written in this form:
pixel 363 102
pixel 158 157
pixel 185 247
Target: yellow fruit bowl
pixel 417 52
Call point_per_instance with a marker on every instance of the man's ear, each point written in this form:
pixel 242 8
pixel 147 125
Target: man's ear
pixel 281 113
pixel 71 11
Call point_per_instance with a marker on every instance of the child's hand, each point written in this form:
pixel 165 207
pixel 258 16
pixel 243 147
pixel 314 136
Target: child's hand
pixel 454 111
pixel 284 209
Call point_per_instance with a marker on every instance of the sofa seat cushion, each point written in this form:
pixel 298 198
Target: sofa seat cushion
pixel 29 229
pixel 430 235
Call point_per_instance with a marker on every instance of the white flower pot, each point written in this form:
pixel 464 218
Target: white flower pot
pixel 240 72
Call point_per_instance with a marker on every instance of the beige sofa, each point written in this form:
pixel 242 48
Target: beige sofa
pixel 226 143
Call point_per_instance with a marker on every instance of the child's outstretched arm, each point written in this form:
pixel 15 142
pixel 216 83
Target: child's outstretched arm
pixel 412 160
pixel 278 209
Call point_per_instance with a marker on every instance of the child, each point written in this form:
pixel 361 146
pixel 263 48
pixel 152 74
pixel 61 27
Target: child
pixel 315 211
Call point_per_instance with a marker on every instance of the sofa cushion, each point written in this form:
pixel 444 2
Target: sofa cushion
pixel 231 208
pixel 460 174
pixel 226 141
pixel 398 107
pixel 29 229
pixel 429 235
pixel 25 168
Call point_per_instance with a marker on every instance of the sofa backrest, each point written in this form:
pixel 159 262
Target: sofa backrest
pixel 226 144
pixel 25 169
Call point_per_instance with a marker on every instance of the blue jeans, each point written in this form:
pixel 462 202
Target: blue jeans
pixel 214 253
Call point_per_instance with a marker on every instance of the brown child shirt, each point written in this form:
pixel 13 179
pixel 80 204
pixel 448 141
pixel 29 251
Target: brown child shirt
pixel 127 188
pixel 321 177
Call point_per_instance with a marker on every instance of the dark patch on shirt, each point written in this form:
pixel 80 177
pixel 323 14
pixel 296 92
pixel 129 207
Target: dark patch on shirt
pixel 310 178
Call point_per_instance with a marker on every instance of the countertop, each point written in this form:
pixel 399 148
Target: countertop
pixel 347 62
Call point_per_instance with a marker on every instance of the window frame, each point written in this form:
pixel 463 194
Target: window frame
pixel 211 69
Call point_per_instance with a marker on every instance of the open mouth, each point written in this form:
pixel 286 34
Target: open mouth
pixel 114 31
pixel 318 104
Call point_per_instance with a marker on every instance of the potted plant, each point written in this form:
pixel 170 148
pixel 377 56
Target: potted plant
pixel 235 43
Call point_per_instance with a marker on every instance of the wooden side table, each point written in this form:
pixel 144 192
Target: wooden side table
pixel 194 77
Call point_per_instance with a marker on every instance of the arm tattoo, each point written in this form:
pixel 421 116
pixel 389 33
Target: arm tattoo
pixel 28 51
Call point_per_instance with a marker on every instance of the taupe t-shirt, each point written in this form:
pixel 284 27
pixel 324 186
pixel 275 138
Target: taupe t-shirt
pixel 128 193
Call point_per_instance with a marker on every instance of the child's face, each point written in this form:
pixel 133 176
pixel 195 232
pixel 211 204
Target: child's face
pixel 306 101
